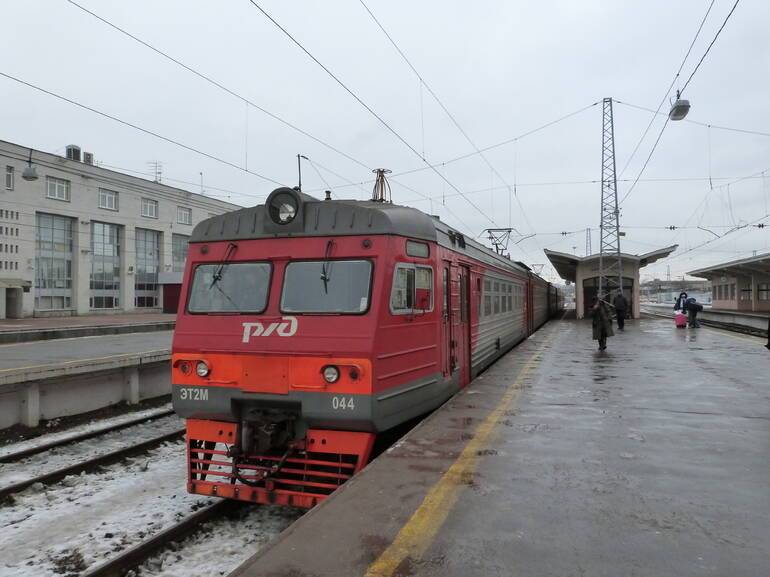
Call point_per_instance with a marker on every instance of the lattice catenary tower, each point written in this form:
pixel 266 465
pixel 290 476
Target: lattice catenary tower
pixel 610 263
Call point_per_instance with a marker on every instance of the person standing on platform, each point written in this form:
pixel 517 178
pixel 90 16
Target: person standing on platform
pixel 681 303
pixel 602 323
pixel 621 306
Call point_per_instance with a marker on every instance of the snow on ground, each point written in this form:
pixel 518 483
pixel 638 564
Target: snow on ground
pixel 95 425
pixel 222 544
pixel 62 529
pixel 65 455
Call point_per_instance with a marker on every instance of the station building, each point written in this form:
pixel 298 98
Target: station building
pixel 739 285
pixel 77 239
pixel 583 272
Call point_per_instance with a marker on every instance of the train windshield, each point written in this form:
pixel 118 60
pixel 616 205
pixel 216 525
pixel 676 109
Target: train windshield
pixel 229 288
pixel 327 286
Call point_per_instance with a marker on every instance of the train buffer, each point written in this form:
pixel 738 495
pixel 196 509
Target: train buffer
pixel 647 459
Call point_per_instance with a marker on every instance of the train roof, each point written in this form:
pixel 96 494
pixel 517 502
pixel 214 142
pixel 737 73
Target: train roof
pixel 345 218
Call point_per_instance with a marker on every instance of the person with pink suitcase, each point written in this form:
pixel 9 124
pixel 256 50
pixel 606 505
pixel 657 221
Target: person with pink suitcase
pixel 680 311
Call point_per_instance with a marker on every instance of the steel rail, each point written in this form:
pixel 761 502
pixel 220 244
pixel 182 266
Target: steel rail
pixel 134 556
pixel 77 468
pixel 17 455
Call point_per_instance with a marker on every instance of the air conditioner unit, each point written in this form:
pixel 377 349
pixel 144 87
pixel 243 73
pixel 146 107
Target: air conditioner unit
pixel 88 157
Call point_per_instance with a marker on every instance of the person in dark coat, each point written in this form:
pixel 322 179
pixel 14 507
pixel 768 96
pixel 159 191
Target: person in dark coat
pixel 693 308
pixel 602 322
pixel 681 303
pixel 621 308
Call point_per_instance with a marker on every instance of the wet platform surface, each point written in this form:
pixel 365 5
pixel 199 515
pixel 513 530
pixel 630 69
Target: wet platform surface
pixel 56 352
pixel 648 459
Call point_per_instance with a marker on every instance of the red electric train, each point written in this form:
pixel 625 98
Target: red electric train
pixel 307 327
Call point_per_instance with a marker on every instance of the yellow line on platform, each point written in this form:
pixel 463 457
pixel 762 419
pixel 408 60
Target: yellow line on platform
pixel 418 533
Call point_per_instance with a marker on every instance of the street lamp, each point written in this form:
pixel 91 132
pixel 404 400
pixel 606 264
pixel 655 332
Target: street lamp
pixel 679 109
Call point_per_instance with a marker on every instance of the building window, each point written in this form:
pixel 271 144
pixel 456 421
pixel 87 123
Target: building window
pixel 763 291
pixel 732 291
pixel 183 215
pixel 53 262
pixel 178 252
pixel 746 294
pixel 149 208
pixel 9 178
pixel 58 188
pixel 105 265
pixel 147 266
pixel 108 199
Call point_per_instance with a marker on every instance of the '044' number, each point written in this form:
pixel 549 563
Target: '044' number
pixel 343 403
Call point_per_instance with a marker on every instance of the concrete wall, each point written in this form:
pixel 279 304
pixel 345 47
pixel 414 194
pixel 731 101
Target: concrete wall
pixel 590 269
pixel 29 198
pixel 28 403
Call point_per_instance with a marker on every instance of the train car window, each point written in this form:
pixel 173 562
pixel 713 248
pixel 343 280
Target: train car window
pixel 419 249
pixel 412 289
pixel 487 305
pixel 446 292
pixel 327 287
pixel 510 298
pixel 236 287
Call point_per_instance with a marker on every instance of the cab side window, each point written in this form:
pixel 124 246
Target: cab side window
pixel 412 290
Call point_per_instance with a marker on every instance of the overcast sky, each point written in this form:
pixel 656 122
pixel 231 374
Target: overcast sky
pixel 501 68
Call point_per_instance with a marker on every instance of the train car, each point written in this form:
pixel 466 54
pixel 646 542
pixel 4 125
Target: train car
pixel 307 327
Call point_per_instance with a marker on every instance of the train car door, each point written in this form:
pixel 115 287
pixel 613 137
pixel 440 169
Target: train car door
pixel 461 337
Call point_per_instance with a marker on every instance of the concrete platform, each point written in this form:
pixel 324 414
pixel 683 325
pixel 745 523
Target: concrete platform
pixel 649 459
pixel 47 328
pixel 742 321
pixel 49 379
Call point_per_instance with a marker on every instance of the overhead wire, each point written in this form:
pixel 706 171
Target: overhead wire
pixel 139 128
pixel 691 121
pixel 221 86
pixel 668 91
pixel 697 66
pixel 446 110
pixel 367 107
pixel 665 123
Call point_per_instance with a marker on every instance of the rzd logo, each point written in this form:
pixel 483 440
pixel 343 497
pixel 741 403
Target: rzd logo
pixel 286 327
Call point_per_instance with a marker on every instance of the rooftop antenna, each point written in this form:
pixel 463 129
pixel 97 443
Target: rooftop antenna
pixel 381 191
pixel 589 248
pixel 299 170
pixel 610 263
pixel 157 170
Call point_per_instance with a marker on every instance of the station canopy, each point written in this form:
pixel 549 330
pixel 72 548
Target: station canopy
pixel 566 264
pixel 755 265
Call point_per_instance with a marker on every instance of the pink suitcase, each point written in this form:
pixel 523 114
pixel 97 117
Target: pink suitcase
pixel 681 320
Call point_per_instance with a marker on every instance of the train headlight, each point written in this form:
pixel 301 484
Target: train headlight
pixel 283 208
pixel 202 369
pixel 331 374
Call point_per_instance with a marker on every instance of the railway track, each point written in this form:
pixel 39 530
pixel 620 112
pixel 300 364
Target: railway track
pixel 139 553
pixel 14 456
pixel 88 464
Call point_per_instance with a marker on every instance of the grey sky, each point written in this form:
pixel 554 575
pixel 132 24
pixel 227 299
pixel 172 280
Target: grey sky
pixel 502 68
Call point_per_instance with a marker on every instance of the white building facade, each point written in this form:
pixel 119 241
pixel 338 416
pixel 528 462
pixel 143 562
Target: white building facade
pixel 80 239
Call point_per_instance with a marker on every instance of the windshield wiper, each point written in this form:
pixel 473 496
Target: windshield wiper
pixel 220 270
pixel 326 267
pixel 220 273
